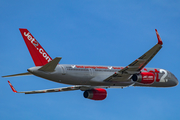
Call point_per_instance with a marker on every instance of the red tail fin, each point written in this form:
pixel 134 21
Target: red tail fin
pixel 38 54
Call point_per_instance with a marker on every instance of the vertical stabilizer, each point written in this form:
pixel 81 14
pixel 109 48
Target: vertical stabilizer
pixel 38 54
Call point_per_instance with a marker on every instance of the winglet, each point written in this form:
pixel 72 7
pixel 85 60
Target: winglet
pixel 158 37
pixel 13 89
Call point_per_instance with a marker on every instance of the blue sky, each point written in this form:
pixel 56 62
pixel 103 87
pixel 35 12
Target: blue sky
pixel 101 32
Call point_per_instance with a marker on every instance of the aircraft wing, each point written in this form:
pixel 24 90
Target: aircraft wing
pixel 70 88
pixel 136 66
pixel 46 90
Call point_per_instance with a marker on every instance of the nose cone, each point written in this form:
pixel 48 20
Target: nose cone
pixel 173 81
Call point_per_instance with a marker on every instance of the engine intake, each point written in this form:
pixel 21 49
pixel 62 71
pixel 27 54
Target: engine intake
pixel 144 77
pixel 95 94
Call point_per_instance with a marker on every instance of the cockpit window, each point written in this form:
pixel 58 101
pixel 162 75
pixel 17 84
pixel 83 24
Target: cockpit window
pixel 173 76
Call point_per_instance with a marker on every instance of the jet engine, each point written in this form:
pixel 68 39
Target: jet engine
pixel 95 94
pixel 144 78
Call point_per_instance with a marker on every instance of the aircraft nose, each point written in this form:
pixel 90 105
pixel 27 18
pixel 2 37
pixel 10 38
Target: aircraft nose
pixel 174 81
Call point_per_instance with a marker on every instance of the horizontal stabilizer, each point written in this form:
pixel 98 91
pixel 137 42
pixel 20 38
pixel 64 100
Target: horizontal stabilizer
pixel 21 74
pixel 49 67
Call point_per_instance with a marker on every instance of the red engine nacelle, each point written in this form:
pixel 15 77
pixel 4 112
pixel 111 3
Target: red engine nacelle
pixel 95 94
pixel 144 77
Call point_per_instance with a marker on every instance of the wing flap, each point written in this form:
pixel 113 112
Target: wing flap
pixel 52 90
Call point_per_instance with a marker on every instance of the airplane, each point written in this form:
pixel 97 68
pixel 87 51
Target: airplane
pixel 94 79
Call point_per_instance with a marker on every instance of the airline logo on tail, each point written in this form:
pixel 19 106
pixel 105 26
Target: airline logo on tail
pixel 36 44
pixel 39 55
pixel 30 38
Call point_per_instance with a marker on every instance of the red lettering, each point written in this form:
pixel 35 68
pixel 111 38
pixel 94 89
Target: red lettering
pixel 79 66
pixel 157 75
pixel 99 67
pixel 156 71
pixel 93 67
pixel 90 67
pixel 116 68
pixel 105 67
pixel 151 71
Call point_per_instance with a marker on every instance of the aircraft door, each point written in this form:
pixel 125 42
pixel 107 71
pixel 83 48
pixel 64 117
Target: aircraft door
pixel 90 71
pixel 63 69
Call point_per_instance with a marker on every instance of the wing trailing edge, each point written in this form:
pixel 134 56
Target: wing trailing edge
pixel 62 89
pixel 71 88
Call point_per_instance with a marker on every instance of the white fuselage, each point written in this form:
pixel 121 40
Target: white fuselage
pixel 95 76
